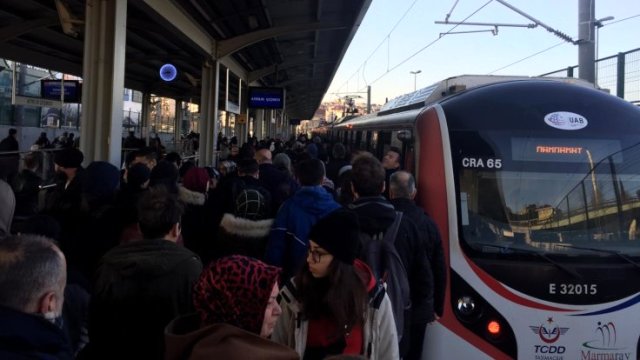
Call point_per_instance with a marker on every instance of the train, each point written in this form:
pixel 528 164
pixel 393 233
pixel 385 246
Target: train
pixel 534 184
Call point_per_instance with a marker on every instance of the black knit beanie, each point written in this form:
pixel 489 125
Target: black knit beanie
pixel 68 158
pixel 338 233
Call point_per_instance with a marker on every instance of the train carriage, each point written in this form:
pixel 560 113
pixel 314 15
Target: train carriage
pixel 535 186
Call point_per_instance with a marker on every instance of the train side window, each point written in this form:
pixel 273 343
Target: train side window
pixel 384 140
pixel 373 144
pixel 359 138
pixel 395 141
pixel 362 145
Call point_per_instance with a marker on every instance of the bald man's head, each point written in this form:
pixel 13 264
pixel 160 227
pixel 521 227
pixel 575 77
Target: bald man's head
pixel 263 156
pixel 402 185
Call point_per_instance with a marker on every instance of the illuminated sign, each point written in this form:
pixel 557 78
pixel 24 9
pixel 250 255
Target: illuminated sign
pixel 541 149
pixel 270 98
pixel 565 150
pixel 52 89
pixel 168 72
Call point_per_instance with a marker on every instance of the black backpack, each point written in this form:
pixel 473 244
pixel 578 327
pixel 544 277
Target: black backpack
pixel 379 252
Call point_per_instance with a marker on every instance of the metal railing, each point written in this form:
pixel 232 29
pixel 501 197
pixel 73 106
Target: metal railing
pixel 43 158
pixel 620 74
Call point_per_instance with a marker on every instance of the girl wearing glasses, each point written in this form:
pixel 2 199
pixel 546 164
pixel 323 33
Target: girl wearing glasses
pixel 335 305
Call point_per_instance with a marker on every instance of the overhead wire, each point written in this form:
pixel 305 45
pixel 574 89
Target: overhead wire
pixel 556 45
pixel 528 57
pixel 384 39
pixel 429 44
pixel 621 20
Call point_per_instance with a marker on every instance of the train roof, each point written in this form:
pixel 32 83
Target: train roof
pixel 455 84
pixel 397 111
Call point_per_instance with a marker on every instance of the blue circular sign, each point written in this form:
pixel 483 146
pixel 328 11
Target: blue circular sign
pixel 168 72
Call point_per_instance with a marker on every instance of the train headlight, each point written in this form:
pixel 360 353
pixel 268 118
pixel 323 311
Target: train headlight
pixel 466 306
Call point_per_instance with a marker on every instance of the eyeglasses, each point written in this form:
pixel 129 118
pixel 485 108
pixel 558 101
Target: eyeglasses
pixel 316 255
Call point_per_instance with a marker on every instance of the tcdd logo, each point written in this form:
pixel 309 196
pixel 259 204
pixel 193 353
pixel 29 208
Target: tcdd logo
pixel 549 332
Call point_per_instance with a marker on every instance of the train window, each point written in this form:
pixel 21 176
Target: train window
pixel 362 143
pixel 373 144
pixel 395 141
pixel 384 139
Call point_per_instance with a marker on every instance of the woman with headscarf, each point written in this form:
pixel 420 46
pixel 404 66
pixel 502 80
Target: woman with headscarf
pixel 335 306
pixel 235 300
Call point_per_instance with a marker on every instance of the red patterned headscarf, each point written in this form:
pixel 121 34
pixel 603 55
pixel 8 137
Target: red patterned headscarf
pixel 235 290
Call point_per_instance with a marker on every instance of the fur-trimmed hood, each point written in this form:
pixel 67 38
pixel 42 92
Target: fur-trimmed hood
pixel 191 197
pixel 244 227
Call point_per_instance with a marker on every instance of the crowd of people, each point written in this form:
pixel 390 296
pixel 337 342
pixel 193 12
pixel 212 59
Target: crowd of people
pixel 260 257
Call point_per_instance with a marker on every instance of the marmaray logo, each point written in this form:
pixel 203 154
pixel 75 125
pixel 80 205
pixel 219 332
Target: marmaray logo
pixel 606 337
pixel 549 332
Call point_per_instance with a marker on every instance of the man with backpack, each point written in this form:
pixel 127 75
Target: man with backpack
pixel 377 217
pixel 402 191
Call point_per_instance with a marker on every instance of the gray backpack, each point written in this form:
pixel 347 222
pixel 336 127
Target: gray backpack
pixel 379 252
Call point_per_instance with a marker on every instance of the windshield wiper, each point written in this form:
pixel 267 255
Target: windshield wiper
pixel 606 251
pixel 540 254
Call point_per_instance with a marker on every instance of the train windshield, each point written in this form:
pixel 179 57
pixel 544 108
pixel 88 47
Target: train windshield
pixel 531 192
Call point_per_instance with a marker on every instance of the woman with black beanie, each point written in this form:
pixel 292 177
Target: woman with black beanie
pixel 335 305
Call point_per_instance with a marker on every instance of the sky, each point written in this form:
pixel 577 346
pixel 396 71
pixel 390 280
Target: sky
pixel 400 36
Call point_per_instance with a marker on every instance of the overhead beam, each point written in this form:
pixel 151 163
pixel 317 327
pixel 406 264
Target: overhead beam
pixel 260 73
pixel 300 79
pixel 35 58
pixel 230 46
pixel 13 30
pixel 175 16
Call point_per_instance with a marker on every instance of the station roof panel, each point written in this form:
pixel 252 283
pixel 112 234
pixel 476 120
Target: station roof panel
pixel 295 44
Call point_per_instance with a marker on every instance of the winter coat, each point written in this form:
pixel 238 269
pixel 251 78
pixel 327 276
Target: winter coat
pixel 64 205
pixel 240 236
pixel 9 163
pixel 140 287
pixel 279 183
pixel 376 214
pixel 197 229
pixel 8 201
pixel 223 200
pixel 433 245
pixel 289 238
pixel 185 339
pixel 334 166
pixel 380 338
pixel 26 186
pixel 28 336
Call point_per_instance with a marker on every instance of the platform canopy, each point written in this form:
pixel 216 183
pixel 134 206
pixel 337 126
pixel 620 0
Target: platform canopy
pixel 295 44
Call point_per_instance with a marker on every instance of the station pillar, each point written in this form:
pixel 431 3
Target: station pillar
pixel 177 127
pixel 209 122
pixel 257 123
pixel 103 80
pixel 144 116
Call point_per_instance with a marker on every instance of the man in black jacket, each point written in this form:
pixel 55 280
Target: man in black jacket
pixel 32 280
pixel 376 214
pixel 402 191
pixel 9 163
pixel 141 286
